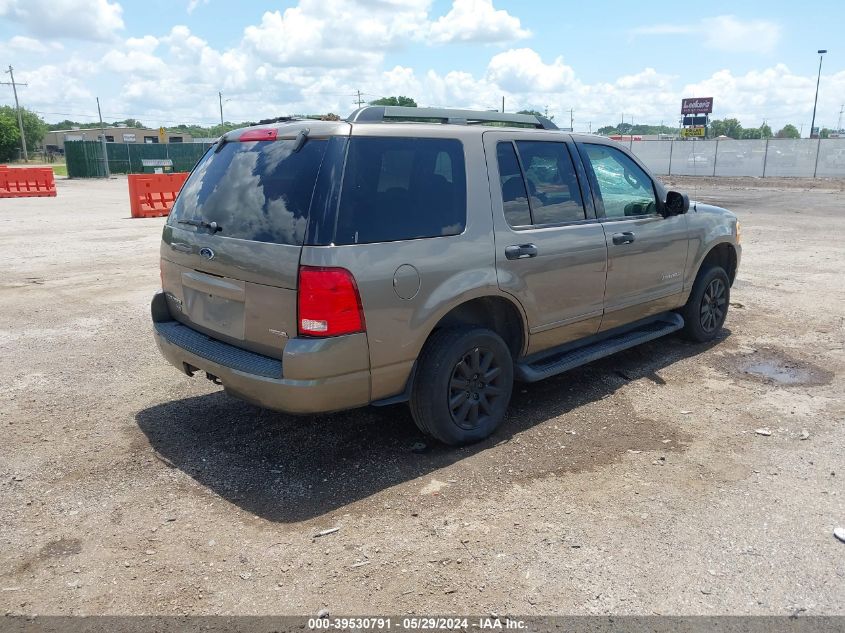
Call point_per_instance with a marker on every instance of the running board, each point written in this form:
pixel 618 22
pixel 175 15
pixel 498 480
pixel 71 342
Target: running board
pixel 557 363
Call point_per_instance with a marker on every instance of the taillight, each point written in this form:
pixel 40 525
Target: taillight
pixel 261 134
pixel 328 302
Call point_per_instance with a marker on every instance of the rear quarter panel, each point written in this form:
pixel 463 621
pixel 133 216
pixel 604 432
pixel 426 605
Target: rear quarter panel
pixel 451 269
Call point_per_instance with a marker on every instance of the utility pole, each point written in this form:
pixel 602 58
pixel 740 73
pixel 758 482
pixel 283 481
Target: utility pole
pixel 360 100
pixel 503 104
pixel 839 123
pixel 816 100
pixel 571 120
pixel 14 86
pixel 220 97
pixel 103 138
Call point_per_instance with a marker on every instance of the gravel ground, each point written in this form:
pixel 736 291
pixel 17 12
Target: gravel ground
pixel 636 485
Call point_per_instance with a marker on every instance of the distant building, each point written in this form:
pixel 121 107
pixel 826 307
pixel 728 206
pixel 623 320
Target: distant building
pixel 57 138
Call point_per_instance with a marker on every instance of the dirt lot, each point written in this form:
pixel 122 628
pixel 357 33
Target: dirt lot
pixel 634 485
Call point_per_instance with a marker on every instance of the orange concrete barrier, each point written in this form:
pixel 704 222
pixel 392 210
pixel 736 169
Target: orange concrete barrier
pixel 26 182
pixel 152 195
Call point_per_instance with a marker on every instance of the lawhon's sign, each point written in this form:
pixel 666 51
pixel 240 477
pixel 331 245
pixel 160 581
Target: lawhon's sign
pixel 697 105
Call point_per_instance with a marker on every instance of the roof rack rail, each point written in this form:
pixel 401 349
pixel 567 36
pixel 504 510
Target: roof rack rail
pixel 382 114
pixel 278 119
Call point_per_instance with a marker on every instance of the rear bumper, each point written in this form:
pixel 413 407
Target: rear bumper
pixel 293 385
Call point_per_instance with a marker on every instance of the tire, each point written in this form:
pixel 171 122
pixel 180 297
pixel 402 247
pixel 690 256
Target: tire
pixel 707 307
pixel 450 399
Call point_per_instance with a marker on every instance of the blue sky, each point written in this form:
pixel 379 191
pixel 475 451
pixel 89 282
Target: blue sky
pixel 164 61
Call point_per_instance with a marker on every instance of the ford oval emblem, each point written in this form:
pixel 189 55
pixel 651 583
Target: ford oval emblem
pixel 207 253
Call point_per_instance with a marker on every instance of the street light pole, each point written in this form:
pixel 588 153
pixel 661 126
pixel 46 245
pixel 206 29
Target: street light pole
pixel 220 97
pixel 816 101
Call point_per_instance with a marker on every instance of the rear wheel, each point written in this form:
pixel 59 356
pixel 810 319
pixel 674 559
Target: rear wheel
pixel 463 385
pixel 705 311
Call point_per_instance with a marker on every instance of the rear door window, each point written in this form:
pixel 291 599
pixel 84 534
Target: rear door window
pixel 258 191
pixel 401 189
pixel 514 194
pixel 539 184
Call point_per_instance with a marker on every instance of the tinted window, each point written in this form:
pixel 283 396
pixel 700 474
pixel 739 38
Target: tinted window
pixel 257 191
pixel 514 195
pixel 400 189
pixel 624 188
pixel 553 191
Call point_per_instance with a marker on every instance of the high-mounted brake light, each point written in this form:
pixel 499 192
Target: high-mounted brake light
pixel 328 302
pixel 261 134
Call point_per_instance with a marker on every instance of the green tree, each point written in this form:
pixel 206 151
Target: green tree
pixel 33 127
pixel 726 127
pixel 536 113
pixel 825 132
pixel 408 102
pixel 762 132
pixel 788 131
pixel 10 137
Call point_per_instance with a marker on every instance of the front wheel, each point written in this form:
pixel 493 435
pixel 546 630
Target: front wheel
pixel 463 385
pixel 705 311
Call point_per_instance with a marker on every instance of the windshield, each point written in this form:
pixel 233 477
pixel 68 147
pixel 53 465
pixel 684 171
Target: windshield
pixel 257 191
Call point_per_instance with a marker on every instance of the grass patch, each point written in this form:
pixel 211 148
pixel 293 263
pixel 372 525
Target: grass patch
pixel 59 170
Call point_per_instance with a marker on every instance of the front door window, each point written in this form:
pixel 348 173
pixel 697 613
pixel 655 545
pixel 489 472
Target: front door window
pixel 625 190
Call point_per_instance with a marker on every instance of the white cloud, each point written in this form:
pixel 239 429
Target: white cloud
pixel 725 33
pixel 336 33
pixel 97 20
pixel 477 21
pixel 776 93
pixel 23 44
pixel 522 70
pixel 193 4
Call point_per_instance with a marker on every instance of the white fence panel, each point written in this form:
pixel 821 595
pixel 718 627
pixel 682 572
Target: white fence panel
pixel 807 158
pixel 791 157
pixel 655 154
pixel 831 163
pixel 740 158
pixel 693 158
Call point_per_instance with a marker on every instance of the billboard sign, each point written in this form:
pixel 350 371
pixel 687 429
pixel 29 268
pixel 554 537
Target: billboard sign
pixel 697 105
pixel 695 120
pixel 692 132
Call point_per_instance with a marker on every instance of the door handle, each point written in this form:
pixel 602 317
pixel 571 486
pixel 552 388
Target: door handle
pixel 521 251
pixel 623 238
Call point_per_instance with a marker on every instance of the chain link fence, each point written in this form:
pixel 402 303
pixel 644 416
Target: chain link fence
pixel 802 158
pixel 85 158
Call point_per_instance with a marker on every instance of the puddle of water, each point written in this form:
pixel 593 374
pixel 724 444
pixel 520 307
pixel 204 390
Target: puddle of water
pixel 784 375
pixel 775 366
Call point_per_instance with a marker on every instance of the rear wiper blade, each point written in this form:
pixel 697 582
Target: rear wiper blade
pixel 213 226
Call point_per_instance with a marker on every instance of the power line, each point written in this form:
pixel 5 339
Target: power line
pixel 14 86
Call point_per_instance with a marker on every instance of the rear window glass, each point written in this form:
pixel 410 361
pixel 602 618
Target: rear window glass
pixel 401 189
pixel 257 191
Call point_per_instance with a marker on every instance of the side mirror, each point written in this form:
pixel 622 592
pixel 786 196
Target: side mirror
pixel 676 203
